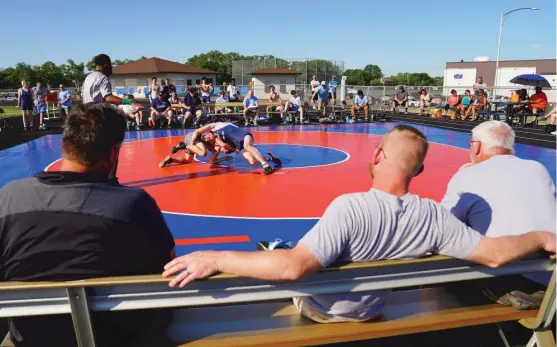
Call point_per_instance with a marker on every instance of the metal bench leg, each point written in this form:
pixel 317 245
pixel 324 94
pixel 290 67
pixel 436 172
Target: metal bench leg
pixel 81 317
pixel 542 338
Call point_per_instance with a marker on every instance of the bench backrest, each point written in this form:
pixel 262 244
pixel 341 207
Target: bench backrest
pixel 149 292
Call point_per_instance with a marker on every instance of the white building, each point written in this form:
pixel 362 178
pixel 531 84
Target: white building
pixel 462 75
pixel 135 77
pixel 283 79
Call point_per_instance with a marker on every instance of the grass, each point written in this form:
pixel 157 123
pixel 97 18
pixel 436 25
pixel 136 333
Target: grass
pixel 12 111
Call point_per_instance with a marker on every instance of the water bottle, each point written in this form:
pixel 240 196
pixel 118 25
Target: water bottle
pixel 347 119
pixel 235 109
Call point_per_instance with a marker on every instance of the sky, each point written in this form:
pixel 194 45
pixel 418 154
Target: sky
pixel 399 36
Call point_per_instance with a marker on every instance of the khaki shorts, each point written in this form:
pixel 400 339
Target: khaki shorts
pixel 309 311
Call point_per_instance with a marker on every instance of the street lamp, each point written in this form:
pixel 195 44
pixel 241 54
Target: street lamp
pixel 503 16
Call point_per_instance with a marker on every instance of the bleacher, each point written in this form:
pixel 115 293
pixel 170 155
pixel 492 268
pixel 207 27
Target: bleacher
pixel 226 310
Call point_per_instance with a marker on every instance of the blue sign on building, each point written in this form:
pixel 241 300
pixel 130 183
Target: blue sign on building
pixel 458 76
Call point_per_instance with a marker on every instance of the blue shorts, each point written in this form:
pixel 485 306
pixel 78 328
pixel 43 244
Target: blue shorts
pixel 294 108
pixel 206 99
pixel 41 108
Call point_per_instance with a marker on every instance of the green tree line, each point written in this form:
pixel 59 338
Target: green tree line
pixel 73 74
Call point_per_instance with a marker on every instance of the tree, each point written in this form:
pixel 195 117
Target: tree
pixel 373 71
pixel 357 77
pixel 217 61
pixel 74 73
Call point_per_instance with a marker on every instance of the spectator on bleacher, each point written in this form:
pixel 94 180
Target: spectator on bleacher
pixel 514 97
pixel 132 113
pixel 206 89
pixel 80 223
pixel 64 101
pixel 495 206
pixel 323 93
pixel 360 103
pixel 295 105
pixel 191 103
pixel 479 85
pixel 386 222
pixel 400 98
pixel 552 120
pixel 174 100
pixel 538 101
pixel 154 89
pixel 170 87
pixel 465 103
pixel 233 93
pixel 222 99
pixel 39 95
pixel 25 102
pixel 251 105
pixel 274 97
pixel 479 104
pixel 333 84
pixel 425 100
pixel 452 104
pixel 161 108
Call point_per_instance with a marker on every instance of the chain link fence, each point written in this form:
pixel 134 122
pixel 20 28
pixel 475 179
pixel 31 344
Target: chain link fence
pixel 320 68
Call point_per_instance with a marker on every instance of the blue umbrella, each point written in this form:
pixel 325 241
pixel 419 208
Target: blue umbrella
pixel 531 80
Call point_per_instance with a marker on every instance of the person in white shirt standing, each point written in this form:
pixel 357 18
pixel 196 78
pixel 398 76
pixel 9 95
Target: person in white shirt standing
pixel 314 85
pixel 499 194
pixel 233 93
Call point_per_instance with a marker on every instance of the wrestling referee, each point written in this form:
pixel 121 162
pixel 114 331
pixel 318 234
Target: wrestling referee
pixel 97 87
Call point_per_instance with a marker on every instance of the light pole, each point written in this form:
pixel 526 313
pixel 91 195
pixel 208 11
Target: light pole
pixel 503 16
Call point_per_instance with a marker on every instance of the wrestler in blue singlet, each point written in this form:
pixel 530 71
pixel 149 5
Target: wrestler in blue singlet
pixel 26 99
pixel 232 134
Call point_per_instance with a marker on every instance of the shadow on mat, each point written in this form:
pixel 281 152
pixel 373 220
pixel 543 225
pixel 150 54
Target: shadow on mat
pixel 149 182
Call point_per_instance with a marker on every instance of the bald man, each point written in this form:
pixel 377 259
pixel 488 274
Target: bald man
pixel 386 222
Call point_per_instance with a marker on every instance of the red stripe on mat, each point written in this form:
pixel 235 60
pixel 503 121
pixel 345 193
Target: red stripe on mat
pixel 210 240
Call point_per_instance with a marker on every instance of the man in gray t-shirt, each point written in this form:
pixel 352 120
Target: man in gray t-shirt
pixel 385 223
pixel 400 98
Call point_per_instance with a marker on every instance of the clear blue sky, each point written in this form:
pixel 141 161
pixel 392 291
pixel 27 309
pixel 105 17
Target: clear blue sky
pixel 399 36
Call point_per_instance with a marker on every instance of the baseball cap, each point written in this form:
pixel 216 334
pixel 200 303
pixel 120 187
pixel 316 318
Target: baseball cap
pixel 323 83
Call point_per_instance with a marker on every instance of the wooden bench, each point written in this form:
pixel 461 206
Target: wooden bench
pixel 277 324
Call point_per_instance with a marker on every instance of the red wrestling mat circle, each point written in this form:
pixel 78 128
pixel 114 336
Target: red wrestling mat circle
pixel 198 189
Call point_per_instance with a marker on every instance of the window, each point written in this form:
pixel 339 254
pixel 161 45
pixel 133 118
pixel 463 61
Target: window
pixel 209 80
pixel 267 84
pixel 282 87
pixel 188 83
pixel 197 81
pixel 130 83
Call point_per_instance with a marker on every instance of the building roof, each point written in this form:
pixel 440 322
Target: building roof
pixel 275 71
pixel 157 65
pixel 500 61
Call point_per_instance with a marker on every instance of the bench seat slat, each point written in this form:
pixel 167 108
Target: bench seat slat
pixel 280 324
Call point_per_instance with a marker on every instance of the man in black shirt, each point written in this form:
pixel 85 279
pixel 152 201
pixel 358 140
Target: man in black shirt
pixel 81 223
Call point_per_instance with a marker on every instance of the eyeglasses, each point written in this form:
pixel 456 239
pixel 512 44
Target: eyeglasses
pixel 382 150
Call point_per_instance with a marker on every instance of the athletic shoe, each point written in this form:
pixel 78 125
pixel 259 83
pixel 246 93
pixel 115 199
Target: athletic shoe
pixel 277 244
pixel 268 170
pixel 165 162
pixel 273 159
pixel 179 147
